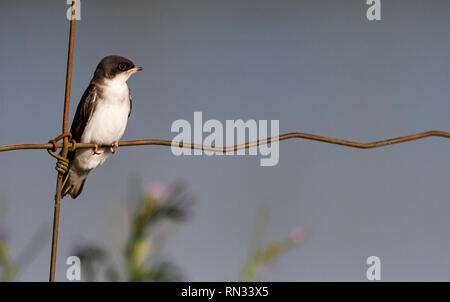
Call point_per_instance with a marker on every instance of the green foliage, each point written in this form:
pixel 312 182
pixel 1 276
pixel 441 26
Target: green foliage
pixel 261 255
pixel 151 223
pixel 8 269
pixel 159 204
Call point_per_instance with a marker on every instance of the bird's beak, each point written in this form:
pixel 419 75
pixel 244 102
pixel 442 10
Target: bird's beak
pixel 134 69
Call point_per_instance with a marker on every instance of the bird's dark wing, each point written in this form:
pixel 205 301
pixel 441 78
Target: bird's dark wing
pixel 131 102
pixel 83 114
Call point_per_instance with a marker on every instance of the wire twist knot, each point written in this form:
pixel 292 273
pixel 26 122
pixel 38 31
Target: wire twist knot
pixel 62 165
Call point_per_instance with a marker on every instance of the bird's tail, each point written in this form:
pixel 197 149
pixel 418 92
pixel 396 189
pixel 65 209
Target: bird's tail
pixel 73 183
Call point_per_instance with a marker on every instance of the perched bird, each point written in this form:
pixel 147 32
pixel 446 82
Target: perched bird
pixel 101 119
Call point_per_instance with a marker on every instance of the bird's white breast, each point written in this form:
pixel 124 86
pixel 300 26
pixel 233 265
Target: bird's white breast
pixel 106 126
pixel 109 120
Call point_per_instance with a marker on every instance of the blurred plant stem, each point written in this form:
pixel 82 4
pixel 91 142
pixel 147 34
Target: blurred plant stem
pixel 8 270
pixel 158 204
pixel 261 255
pixel 155 213
pixel 151 224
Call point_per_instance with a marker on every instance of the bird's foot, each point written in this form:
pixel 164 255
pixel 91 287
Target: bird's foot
pixel 96 149
pixel 114 147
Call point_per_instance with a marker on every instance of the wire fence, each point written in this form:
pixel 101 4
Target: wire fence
pixel 73 145
pixel 68 144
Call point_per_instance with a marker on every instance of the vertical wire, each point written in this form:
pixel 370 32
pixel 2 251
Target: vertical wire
pixel 65 129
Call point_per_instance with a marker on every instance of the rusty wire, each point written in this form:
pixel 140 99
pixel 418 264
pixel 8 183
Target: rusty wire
pixel 63 162
pixel 158 142
pixel 68 144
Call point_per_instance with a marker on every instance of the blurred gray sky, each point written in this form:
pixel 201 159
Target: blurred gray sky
pixel 317 66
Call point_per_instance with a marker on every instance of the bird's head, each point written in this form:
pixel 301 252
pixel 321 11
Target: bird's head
pixel 115 68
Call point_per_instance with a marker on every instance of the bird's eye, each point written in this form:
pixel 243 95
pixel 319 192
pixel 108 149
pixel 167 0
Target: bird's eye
pixel 122 66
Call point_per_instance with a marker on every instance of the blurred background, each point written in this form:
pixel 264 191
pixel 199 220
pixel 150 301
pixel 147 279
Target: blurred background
pixel 316 66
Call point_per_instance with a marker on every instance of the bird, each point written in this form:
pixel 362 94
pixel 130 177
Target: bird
pixel 101 118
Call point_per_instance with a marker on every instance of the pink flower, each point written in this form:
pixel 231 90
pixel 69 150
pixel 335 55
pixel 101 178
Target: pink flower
pixel 156 191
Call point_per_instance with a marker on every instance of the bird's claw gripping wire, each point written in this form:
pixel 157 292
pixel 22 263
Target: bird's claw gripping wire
pixel 96 149
pixel 62 164
pixel 114 147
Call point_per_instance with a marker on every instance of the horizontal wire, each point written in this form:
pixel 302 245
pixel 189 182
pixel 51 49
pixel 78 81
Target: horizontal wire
pixel 283 137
